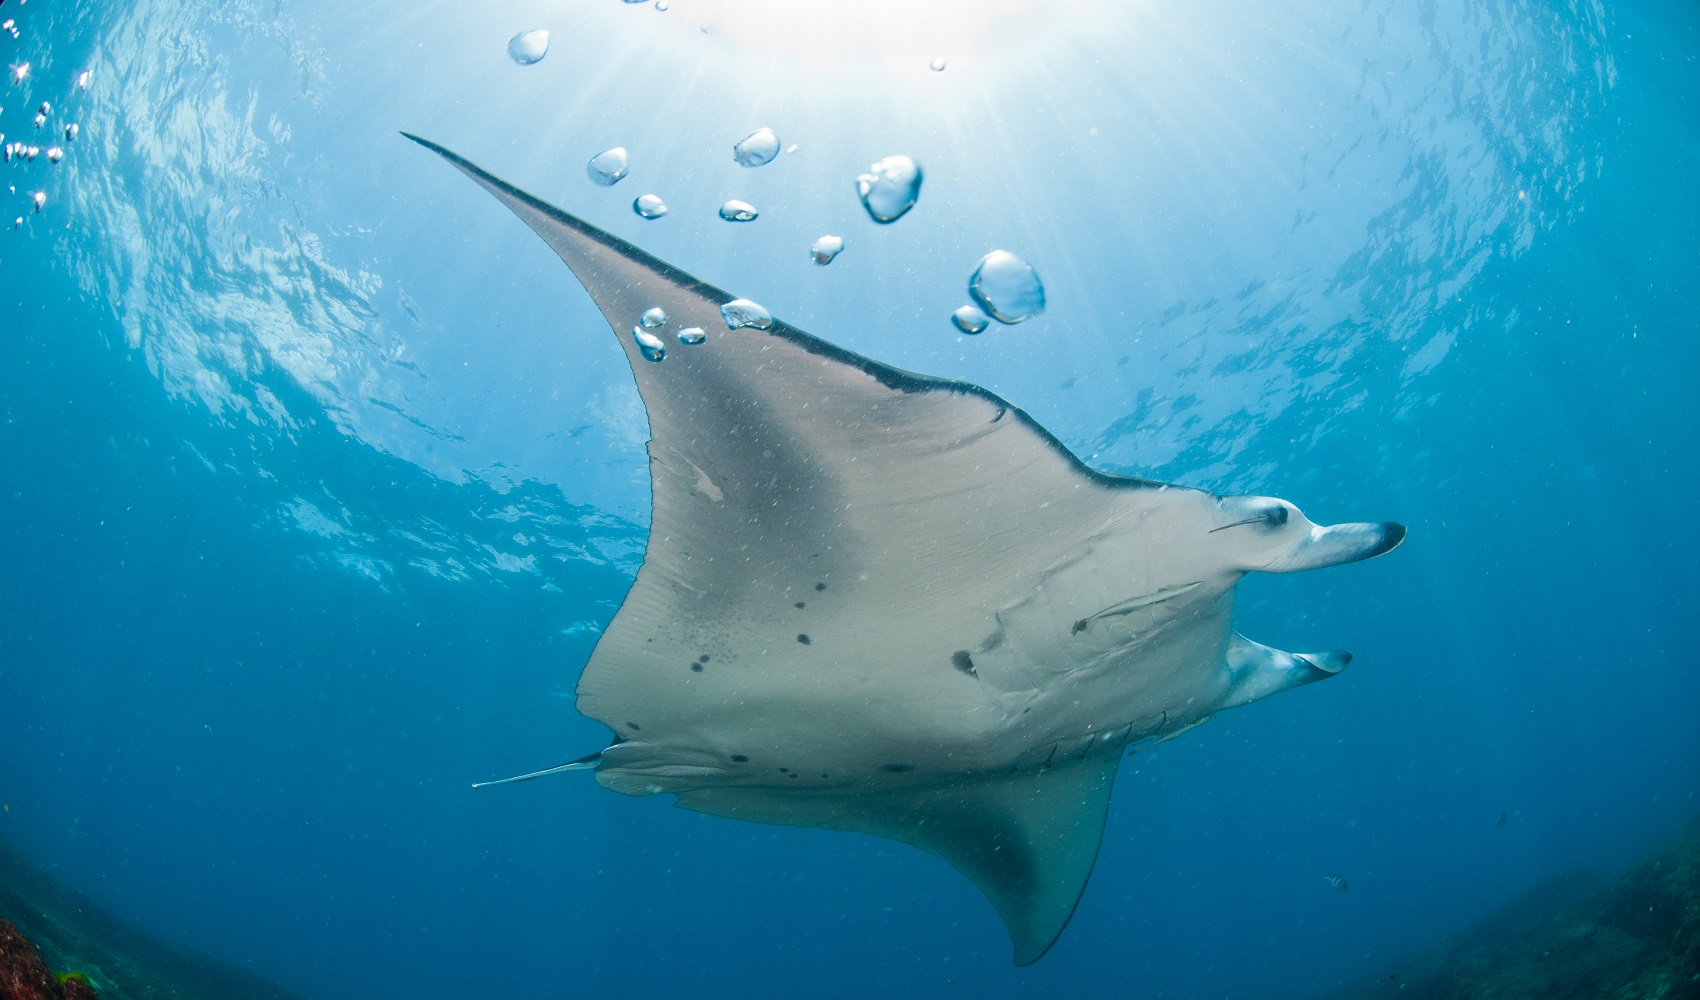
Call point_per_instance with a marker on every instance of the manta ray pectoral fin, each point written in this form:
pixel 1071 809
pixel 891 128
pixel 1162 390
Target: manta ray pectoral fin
pixel 1259 671
pixel 1028 840
pixel 589 763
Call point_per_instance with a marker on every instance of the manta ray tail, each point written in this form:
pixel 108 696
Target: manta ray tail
pixel 582 764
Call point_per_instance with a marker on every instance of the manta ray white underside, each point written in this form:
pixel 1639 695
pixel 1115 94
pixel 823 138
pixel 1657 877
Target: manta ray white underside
pixel 893 604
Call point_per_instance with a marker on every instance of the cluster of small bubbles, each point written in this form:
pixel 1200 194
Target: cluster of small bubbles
pixel 653 318
pixel 1006 287
pixel 649 206
pixel 607 167
pixel 742 312
pixel 826 248
pixel 528 47
pixel 649 345
pixel 970 320
pixel 937 65
pixel 10 25
pixel 738 211
pixel 756 149
pixel 692 336
pixel 889 188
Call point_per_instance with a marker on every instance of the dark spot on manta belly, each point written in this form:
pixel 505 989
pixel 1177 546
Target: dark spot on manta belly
pixel 634 725
pixel 1079 627
pixel 803 638
pixel 820 586
pixel 800 604
pixel 739 758
pixel 897 768
pixel 697 667
pixel 703 658
pixel 963 662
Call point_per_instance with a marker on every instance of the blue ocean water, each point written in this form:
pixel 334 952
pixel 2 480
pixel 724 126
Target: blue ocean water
pixel 322 474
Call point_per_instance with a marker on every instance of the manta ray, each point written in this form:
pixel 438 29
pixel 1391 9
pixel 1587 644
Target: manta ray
pixel 888 603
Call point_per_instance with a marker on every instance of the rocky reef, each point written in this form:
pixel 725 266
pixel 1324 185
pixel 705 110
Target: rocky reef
pixel 1637 938
pixel 97 954
pixel 24 976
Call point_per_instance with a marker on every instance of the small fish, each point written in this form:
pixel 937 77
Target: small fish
pixel 1504 818
pixel 1337 881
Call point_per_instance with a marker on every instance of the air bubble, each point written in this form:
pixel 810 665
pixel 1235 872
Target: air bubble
pixel 653 318
pixel 970 320
pixel 742 312
pixel 692 335
pixel 607 167
pixel 528 47
pixel 662 4
pixel 649 206
pixel 39 199
pixel 20 72
pixel 649 345
pixel 71 131
pixel 890 188
pixel 826 248
pixel 55 154
pixel 937 65
pixel 756 149
pixel 1006 287
pixel 83 79
pixel 738 211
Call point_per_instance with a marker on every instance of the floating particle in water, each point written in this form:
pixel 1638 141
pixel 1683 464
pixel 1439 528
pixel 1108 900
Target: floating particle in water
pixel 55 154
pixel 937 65
pixel 18 223
pixel 649 206
pixel 889 188
pixel 756 149
pixel 742 312
pixel 970 320
pixel 83 79
pixel 528 47
pixel 39 199
pixel 19 72
pixel 71 131
pixel 1006 287
pixel 653 318
pixel 649 345
pixel 662 4
pixel 607 167
pixel 692 336
pixel 826 248
pixel 791 148
pixel 738 211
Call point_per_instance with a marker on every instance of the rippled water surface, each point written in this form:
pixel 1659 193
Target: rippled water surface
pixel 322 475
